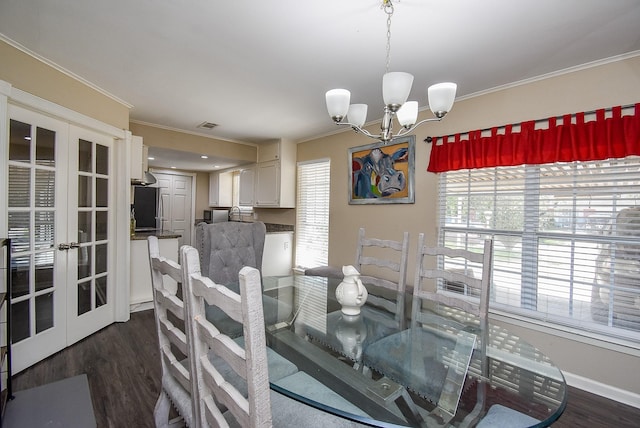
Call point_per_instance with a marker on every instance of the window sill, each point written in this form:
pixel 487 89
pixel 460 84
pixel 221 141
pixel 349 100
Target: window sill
pixel 571 333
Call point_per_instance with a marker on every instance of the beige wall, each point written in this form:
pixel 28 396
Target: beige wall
pixel 167 139
pixel 603 86
pixel 24 72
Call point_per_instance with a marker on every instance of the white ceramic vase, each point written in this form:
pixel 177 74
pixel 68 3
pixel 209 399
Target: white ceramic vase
pixel 351 294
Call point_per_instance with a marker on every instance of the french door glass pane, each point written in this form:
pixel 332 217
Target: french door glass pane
pixel 45 147
pixel 20 269
pixel 44 271
pixel 84 297
pixel 44 312
pixel 45 188
pixel 19 231
pixel 84 191
pixel 19 186
pixel 102 192
pixel 20 141
pixel 84 262
pixel 102 159
pixel 20 321
pixel 101 225
pixel 85 159
pixel 84 226
pixel 101 291
pixel 44 230
pixel 101 259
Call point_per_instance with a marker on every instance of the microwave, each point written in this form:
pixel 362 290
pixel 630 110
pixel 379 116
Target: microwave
pixel 215 216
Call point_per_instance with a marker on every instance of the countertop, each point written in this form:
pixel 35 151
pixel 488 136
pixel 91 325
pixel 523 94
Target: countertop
pixel 271 227
pixel 160 234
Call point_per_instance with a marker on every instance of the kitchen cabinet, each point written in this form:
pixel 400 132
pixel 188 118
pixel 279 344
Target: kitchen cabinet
pixel 275 177
pixel 220 189
pixel 138 155
pixel 246 189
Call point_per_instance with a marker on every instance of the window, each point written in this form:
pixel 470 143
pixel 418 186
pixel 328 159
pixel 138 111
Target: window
pixel 566 237
pixel 312 214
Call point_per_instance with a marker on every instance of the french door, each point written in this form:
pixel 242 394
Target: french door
pixel 60 218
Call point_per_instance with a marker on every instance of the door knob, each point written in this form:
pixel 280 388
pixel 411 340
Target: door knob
pixel 74 245
pixel 63 247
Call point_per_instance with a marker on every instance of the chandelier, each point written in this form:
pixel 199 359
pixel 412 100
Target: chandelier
pixel 395 91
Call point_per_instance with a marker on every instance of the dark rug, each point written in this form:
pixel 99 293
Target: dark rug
pixel 65 403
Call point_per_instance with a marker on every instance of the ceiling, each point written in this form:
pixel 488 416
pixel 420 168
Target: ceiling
pixel 259 69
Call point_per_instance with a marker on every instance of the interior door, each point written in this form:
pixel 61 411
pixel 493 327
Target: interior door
pixel 60 216
pixel 37 215
pixel 90 288
pixel 175 204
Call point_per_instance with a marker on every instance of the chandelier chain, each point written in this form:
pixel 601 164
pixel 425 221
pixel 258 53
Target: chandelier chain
pixel 388 9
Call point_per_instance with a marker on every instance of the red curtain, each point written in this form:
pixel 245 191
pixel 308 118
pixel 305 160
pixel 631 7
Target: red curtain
pixel 603 138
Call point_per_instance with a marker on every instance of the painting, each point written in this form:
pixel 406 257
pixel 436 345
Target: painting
pixel 382 173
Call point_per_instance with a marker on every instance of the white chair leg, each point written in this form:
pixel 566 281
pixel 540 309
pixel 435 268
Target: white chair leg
pixel 161 411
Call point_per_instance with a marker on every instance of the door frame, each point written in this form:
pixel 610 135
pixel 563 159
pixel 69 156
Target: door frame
pixel 122 147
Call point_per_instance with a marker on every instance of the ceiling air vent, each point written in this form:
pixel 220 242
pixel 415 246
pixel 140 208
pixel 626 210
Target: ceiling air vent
pixel 207 125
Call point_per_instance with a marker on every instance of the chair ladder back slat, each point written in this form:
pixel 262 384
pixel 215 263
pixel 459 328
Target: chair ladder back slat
pixel 218 295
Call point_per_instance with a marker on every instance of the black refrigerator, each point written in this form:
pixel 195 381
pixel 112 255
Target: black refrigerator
pixel 145 206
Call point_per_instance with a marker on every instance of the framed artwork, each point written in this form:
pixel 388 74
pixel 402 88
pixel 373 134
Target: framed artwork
pixel 383 173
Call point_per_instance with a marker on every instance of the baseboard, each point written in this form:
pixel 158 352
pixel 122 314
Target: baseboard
pixel 607 391
pixel 136 307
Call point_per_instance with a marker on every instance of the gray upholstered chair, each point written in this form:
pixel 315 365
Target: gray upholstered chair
pixel 462 285
pixel 172 337
pixel 254 405
pixel 226 247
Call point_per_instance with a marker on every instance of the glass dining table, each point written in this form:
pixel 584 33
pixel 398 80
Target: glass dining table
pixel 471 379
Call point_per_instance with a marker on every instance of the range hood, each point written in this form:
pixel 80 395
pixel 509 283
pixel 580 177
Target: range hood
pixel 147 180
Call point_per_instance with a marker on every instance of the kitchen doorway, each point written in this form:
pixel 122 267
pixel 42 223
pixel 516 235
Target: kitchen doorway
pixel 177 203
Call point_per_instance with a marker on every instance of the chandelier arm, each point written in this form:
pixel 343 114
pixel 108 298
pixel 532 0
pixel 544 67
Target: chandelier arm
pixel 358 129
pixel 405 130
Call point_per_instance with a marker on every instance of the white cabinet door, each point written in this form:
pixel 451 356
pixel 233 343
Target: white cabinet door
pixel 220 189
pixel 246 191
pixel 137 159
pixel 267 184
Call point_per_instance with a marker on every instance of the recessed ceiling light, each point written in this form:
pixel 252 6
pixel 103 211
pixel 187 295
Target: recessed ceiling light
pixel 173 167
pixel 204 157
pixel 216 166
pixel 151 158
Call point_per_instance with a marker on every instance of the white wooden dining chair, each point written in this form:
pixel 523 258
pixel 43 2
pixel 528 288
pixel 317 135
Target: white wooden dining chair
pixel 172 339
pixel 259 407
pixel 382 263
pixel 459 283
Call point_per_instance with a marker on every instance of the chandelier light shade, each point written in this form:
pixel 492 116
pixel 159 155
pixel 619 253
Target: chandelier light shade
pixel 441 97
pixel 396 87
pixel 357 114
pixel 338 103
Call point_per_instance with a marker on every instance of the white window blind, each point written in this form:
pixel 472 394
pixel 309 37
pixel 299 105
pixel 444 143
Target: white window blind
pixel 567 239
pixel 312 214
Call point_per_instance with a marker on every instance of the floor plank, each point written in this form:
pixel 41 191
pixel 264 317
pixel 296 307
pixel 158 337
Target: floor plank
pixel 123 368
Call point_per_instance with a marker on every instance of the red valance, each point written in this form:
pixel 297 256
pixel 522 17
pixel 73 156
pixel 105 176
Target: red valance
pixel 603 138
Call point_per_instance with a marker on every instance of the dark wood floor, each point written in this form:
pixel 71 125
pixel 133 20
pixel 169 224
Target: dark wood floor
pixel 123 368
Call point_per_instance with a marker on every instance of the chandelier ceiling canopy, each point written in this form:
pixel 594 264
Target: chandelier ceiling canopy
pixel 396 87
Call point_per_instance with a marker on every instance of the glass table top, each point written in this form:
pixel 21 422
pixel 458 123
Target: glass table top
pixel 386 371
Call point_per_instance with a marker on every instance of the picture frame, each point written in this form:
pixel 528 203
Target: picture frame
pixel 382 173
